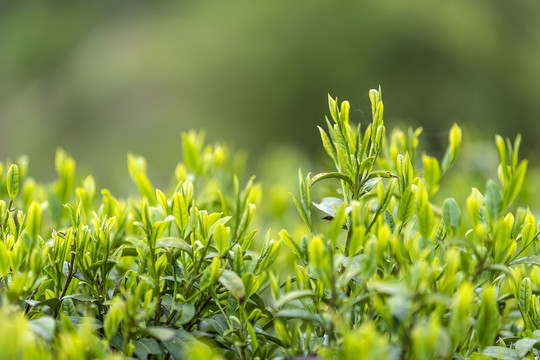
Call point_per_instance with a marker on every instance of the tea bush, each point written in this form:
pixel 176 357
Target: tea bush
pixel 379 270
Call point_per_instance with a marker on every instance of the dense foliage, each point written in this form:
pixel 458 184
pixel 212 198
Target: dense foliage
pixel 387 273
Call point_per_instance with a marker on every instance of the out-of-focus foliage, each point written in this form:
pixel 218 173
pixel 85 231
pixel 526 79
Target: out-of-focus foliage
pixel 102 79
pixel 368 263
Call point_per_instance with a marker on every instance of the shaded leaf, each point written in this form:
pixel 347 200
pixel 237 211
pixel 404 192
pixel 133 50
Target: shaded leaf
pixel 499 352
pixel 43 326
pixel 328 205
pixel 451 215
pixel 299 314
pixel 524 346
pixel 173 242
pixel 293 295
pixel 145 347
pixel 233 283
pixel 529 260
pixel 80 297
pixel 160 333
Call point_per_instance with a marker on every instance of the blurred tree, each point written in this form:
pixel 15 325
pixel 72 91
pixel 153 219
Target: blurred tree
pixel 101 79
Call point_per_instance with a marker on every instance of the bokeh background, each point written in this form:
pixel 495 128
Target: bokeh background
pixel 101 78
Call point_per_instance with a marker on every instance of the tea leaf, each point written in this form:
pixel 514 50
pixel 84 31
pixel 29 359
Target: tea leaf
pixel 12 181
pixel 493 201
pixel 294 295
pixel 233 283
pixel 221 238
pixel 406 205
pixel 290 243
pixel 451 215
pixel 499 352
pixel 487 323
pixel 180 211
pixel 331 175
pixel 524 346
pixel 160 333
pixel 328 205
pixel 44 326
pixel 299 315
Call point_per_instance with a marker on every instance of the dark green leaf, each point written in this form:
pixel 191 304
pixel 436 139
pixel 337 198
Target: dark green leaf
pixel 53 303
pixel 146 347
pixel 186 312
pixel 80 297
pixel 217 322
pixel 389 219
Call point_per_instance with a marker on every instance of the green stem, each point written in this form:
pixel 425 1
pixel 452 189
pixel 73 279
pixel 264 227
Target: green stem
pixel 197 267
pixel 242 335
pixel 200 309
pixel 347 242
pixel 69 275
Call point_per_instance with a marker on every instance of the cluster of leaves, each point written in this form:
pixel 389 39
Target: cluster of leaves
pixel 153 275
pixel 174 275
pixel 395 275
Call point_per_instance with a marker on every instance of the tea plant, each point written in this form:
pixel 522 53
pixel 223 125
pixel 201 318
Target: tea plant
pixel 383 270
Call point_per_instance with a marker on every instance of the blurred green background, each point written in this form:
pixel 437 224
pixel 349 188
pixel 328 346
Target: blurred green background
pixel 101 78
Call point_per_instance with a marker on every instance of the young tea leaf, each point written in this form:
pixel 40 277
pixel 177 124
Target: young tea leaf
pixel 233 283
pixel 493 200
pixel 331 175
pixel 12 181
pixel 451 215
pixel 487 323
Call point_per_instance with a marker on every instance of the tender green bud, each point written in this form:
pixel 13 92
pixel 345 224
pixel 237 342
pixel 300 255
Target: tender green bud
pixel 5 260
pixel 137 172
pixel 454 145
pixel 487 322
pixel 493 201
pixel 33 225
pixel 474 203
pixel 405 171
pixel 319 258
pixel 113 317
pixel 461 312
pixel 221 238
pixel 12 181
pixel 432 174
pixel 451 215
